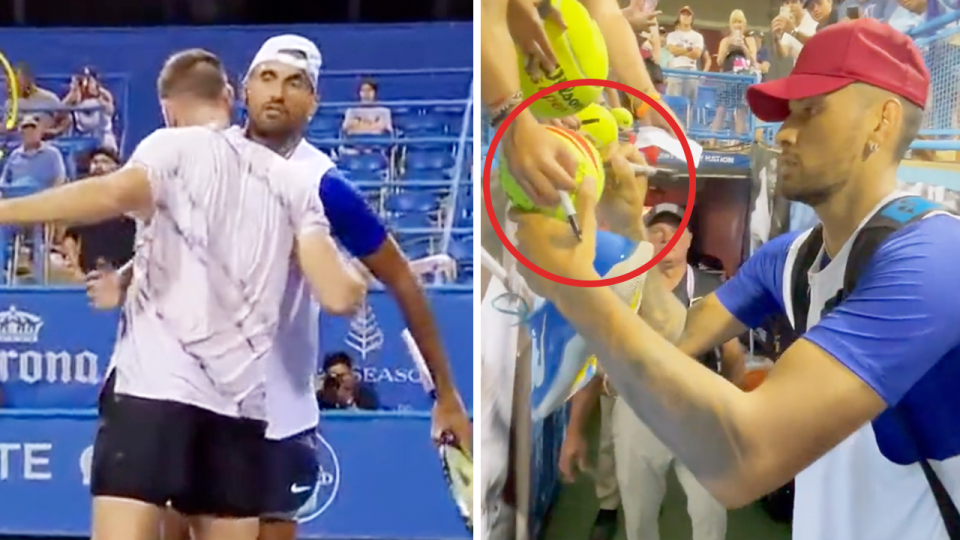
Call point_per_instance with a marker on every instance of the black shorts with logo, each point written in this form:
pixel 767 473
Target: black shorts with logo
pixel 291 474
pixel 158 451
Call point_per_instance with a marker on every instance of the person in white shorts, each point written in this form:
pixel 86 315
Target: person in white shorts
pixel 182 413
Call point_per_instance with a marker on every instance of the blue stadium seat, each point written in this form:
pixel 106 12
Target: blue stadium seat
pixel 412 221
pixel 421 126
pixel 406 202
pixel 706 105
pixel 461 251
pixel 428 161
pixel 680 106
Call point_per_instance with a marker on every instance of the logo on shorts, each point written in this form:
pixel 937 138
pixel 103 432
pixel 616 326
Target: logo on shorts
pixel 19 326
pixel 328 483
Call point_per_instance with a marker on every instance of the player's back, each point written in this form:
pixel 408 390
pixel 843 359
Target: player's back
pixel 211 276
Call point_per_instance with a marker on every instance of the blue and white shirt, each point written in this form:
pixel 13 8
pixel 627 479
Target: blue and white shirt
pixel 899 331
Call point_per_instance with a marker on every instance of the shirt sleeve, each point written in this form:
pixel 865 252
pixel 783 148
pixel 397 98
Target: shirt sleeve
pixel 673 38
pixel 354 224
pixel 160 154
pixel 309 214
pixel 755 292
pixel 59 169
pixel 899 321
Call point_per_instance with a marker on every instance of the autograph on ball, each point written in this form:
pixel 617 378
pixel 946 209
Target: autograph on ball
pixel 13 97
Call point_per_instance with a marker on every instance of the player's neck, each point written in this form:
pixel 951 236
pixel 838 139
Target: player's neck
pixel 843 213
pixel 204 116
pixel 283 144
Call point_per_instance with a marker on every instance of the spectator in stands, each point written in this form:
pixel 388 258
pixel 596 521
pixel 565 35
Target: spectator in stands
pixel 736 54
pixel 34 161
pixel 792 28
pixel 96 107
pixel 340 387
pixel 369 118
pixel 822 11
pixel 108 243
pixel 907 14
pixel 706 61
pixel 763 55
pixel 39 102
pixel 665 56
pixel 686 46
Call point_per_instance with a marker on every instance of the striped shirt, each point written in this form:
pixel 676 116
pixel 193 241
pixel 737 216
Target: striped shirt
pixel 212 268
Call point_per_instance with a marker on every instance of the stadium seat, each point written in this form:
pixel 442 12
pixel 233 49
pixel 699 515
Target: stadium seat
pixel 706 105
pixel 407 202
pixel 428 161
pixel 412 221
pixel 421 126
pixel 680 106
pixel 364 166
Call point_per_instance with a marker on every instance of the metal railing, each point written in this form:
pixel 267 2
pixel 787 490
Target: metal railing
pixel 711 105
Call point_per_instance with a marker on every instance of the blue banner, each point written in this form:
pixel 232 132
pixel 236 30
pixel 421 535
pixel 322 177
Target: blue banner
pixel 366 489
pixel 372 338
pixel 55 349
pixel 729 160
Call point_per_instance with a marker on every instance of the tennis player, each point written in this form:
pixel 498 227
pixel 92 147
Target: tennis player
pixel 182 412
pixel 863 407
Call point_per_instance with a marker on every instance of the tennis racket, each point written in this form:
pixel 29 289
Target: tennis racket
pixel 10 94
pixel 457 465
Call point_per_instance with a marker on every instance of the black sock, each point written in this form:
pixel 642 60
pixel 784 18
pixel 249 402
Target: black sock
pixel 606 516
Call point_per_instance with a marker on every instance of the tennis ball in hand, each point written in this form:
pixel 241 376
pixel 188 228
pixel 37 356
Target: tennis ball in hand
pixel 598 125
pixel 581 54
pixel 588 164
pixel 623 117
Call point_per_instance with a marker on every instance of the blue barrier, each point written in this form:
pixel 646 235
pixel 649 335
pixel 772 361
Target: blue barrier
pixel 54 348
pixel 365 490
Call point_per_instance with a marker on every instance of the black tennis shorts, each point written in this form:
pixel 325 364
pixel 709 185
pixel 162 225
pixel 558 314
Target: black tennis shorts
pixel 158 451
pixel 291 475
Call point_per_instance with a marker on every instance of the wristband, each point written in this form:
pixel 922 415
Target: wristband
pixel 500 113
pixel 645 107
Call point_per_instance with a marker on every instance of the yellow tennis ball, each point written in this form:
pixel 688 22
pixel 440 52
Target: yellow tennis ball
pixel 598 124
pixel 581 54
pixel 623 117
pixel 588 164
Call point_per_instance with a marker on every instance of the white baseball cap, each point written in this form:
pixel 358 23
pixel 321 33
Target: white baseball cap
pixel 293 50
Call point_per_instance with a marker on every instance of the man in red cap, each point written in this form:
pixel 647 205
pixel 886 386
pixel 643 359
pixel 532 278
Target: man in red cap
pixel 863 407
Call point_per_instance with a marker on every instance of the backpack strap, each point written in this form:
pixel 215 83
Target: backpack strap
pixel 891 218
pixel 800 277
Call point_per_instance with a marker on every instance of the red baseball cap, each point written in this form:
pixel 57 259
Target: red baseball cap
pixel 861 50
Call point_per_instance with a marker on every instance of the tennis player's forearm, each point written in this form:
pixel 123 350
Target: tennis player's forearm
pixel 625 58
pixel 661 309
pixel 89 201
pixel 416 312
pixel 691 410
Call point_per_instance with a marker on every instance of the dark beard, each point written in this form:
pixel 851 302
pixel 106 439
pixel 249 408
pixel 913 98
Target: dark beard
pixel 813 197
pixel 283 143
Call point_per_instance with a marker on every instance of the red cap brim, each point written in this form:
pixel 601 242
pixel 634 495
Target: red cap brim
pixel 770 101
